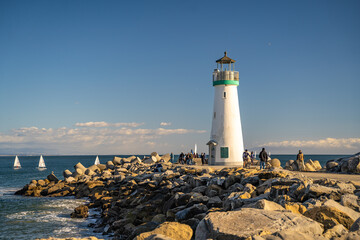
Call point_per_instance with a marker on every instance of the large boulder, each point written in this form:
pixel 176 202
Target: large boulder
pixel 156 155
pixel 349 164
pixel 150 160
pixel 275 162
pixel 166 157
pixel 172 230
pixel 117 160
pixel 67 173
pixel 247 223
pixel 351 213
pixel 80 166
pixel 52 178
pixel 316 190
pixel 351 201
pixel 329 217
pixel 266 205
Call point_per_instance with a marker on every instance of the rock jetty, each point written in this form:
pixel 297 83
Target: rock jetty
pixel 345 165
pixel 184 202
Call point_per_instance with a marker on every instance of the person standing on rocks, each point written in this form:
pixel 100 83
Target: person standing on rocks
pixel 300 161
pixel 252 157
pixel 263 158
pixel 246 158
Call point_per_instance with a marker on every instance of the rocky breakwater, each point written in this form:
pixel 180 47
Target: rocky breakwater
pixel 345 165
pixel 182 202
pixel 309 166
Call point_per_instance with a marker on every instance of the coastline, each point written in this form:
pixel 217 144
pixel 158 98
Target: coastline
pixel 135 199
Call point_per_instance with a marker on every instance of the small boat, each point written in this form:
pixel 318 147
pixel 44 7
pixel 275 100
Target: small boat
pixel 17 164
pixel 97 161
pixel 41 166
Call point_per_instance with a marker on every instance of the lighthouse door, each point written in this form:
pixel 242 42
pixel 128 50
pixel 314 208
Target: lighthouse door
pixel 212 151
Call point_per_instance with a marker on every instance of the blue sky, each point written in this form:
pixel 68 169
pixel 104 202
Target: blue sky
pixel 116 77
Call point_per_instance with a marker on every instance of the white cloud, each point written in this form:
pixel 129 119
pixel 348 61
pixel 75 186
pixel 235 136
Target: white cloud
pixel 165 123
pixel 105 124
pixel 327 143
pixel 89 137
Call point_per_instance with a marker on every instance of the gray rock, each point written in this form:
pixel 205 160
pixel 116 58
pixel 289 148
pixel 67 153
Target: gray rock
pixel 52 178
pixel 67 173
pixel 214 202
pixel 355 226
pixel 316 190
pixel 351 213
pixel 110 165
pixel 245 223
pixel 265 205
pixel 345 187
pixel 351 201
pixel 191 211
pixel 80 166
pixel 336 231
pixel 200 189
pixel 117 160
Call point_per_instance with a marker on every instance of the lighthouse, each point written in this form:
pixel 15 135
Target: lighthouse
pixel 226 144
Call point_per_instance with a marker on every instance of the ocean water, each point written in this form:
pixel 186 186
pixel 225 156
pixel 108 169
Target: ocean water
pixel 30 217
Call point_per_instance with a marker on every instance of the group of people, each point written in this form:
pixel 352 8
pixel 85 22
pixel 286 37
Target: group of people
pixel 189 158
pixel 248 159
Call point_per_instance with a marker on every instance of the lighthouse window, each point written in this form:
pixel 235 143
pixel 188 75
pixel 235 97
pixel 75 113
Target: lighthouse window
pixel 214 114
pixel 224 94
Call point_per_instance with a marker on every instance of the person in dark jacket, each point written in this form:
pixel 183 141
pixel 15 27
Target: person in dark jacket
pixel 263 158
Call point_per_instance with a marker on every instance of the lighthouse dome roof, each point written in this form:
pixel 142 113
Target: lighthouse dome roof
pixel 225 59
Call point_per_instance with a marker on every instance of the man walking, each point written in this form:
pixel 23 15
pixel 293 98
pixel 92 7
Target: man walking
pixel 263 158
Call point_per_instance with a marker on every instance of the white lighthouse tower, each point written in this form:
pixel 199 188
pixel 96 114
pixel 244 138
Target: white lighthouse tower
pixel 226 144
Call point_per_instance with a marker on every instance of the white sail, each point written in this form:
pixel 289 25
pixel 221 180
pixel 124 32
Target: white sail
pixel 195 149
pixel 17 163
pixel 97 161
pixel 42 162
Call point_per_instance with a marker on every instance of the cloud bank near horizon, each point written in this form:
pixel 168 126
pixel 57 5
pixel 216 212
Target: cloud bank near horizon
pixel 89 137
pixel 326 145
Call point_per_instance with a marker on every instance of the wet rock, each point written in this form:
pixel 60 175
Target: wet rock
pixel 247 222
pixel 80 212
pixel 52 177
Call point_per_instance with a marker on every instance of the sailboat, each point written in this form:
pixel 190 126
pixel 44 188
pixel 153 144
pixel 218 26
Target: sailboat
pixel 17 164
pixel 41 166
pixel 97 161
pixel 195 149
